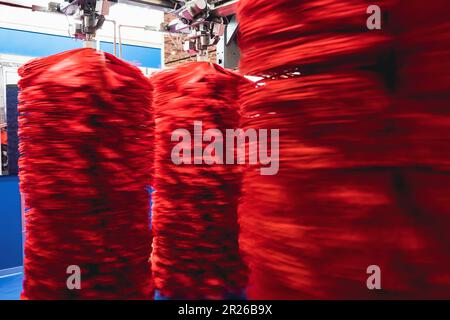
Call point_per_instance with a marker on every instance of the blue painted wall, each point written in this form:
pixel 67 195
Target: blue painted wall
pixel 137 55
pixel 10 206
pixel 35 44
pixel 10 223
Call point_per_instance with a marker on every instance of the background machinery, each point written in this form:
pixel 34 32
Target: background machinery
pixel 204 22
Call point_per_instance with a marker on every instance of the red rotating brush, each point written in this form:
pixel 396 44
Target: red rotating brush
pixel 421 113
pixel 86 131
pixel 312 230
pixel 283 35
pixel 343 199
pixel 195 246
pixel 312 234
pixel 328 125
pixel 423 119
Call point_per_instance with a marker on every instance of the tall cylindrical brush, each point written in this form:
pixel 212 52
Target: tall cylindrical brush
pixel 327 215
pixel 86 131
pixel 195 247
pixel 284 35
pixel 337 221
pixel 422 117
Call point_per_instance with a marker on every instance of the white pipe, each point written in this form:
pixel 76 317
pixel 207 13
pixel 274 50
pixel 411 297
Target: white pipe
pixel 120 35
pixel 90 44
pixel 147 28
pixel 115 36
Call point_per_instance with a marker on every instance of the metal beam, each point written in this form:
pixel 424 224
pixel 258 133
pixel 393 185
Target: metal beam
pixel 228 53
pixel 163 5
pixel 221 8
pixel 225 9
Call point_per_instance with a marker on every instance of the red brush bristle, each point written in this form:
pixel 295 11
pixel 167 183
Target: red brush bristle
pixel 353 152
pixel 424 61
pixel 409 15
pixel 86 130
pixel 322 218
pixel 279 36
pixel 319 230
pixel 195 246
pixel 328 121
pixel 422 116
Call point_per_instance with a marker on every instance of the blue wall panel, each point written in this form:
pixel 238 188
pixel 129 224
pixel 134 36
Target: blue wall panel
pixel 35 44
pixel 10 223
pixel 137 55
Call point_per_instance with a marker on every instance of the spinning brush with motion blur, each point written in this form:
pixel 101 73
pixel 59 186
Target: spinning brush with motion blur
pixel 195 245
pixel 363 125
pixel 86 151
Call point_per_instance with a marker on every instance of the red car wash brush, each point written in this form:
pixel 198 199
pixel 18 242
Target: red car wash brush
pixel 424 83
pixel 424 93
pixel 279 36
pixel 86 135
pixel 195 246
pixel 423 120
pixel 339 219
pixel 312 230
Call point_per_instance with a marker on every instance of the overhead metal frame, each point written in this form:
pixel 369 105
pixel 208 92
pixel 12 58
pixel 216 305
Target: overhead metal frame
pixel 164 5
pixel 228 54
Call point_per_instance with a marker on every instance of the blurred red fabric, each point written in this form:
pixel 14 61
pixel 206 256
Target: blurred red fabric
pixel 195 245
pixel 363 127
pixel 86 135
